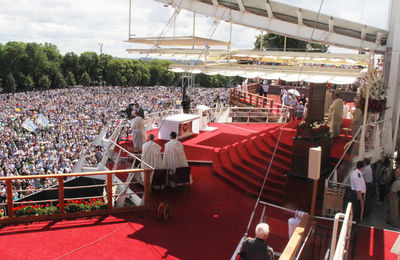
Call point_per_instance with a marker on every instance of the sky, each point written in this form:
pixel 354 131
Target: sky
pixel 80 25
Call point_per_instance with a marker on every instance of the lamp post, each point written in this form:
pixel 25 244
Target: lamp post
pixel 101 65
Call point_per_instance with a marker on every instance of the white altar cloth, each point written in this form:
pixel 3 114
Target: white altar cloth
pixel 183 124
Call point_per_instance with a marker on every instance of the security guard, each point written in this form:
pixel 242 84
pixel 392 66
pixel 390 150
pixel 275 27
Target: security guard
pixel 358 190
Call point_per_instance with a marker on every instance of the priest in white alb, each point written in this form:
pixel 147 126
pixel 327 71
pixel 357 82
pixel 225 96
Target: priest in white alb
pixel 151 154
pixel 174 155
pixel 335 116
pixel 138 132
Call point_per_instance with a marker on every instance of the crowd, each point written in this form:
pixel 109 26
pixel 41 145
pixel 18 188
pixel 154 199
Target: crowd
pixel 76 116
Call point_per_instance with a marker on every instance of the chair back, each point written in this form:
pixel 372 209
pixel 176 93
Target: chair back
pixel 159 177
pixel 182 175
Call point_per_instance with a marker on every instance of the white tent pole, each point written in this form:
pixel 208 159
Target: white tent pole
pixel 194 28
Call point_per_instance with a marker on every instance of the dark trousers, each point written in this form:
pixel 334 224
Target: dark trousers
pixel 356 206
pixel 368 198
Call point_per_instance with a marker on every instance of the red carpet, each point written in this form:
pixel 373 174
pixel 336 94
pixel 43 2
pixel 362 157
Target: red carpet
pixel 207 220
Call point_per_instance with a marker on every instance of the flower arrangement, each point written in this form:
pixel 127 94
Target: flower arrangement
pixel 1 213
pixel 316 127
pixel 377 98
pixel 70 206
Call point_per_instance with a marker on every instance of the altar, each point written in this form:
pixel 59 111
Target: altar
pixel 183 124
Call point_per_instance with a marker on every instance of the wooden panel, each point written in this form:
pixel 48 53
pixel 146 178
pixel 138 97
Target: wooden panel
pixel 316 103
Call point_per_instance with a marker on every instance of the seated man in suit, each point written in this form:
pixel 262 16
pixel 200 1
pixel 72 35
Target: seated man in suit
pixel 174 155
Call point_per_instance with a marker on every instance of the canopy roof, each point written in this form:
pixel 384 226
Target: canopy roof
pixel 263 56
pixel 287 73
pixel 178 41
pixel 273 16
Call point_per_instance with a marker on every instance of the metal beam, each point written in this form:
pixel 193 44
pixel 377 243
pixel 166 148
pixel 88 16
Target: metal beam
pixel 363 33
pixel 331 25
pixel 271 24
pixel 269 9
pixel 215 2
pixel 299 17
pixel 241 5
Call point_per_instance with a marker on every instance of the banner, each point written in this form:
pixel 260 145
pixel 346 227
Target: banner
pixel 29 125
pixel 42 120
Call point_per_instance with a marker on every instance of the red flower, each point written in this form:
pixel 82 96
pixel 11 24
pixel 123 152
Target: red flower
pixel 101 200
pixel 66 204
pixel 41 206
pixel 86 202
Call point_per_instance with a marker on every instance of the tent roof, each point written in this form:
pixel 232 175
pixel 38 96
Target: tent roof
pixel 287 73
pixel 178 41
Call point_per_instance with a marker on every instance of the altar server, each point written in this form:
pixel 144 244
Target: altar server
pixel 174 155
pixel 138 132
pixel 151 154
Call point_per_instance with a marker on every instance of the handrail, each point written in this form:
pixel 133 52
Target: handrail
pixel 61 199
pixel 339 252
pixel 70 174
pixel 131 154
pixel 348 147
pixel 298 236
pixel 243 94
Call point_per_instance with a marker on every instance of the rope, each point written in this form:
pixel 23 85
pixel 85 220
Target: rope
pixel 309 42
pixel 93 242
pixel 273 154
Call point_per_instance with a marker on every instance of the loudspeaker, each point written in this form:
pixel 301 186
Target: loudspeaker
pixel 314 163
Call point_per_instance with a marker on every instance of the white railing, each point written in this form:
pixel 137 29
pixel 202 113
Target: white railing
pixel 340 250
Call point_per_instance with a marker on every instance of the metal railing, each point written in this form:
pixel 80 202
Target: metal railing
pixel 340 250
pixel 373 146
pixel 109 194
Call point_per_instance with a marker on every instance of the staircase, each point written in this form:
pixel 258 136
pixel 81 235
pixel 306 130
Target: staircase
pixel 245 163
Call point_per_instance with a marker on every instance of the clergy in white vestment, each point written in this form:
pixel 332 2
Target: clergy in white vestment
pixel 174 155
pixel 138 132
pixel 335 116
pixel 151 154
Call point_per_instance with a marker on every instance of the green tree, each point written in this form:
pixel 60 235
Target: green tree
pixel 28 83
pixel 59 80
pixel 10 83
pixel 89 63
pixel 52 53
pixel 70 63
pixel 37 63
pixel 272 41
pixel 44 82
pixel 70 79
pixel 85 79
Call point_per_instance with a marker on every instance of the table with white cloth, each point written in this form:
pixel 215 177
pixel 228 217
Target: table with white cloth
pixel 183 125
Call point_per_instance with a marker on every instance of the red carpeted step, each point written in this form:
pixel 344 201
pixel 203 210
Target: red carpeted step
pixel 265 159
pixel 253 163
pixel 275 178
pixel 266 148
pixel 225 169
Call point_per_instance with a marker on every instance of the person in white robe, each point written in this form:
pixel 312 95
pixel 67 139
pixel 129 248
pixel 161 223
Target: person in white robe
pixel 174 155
pixel 151 154
pixel 138 132
pixel 335 116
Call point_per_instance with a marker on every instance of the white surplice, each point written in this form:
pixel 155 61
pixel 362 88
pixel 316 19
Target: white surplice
pixel 151 154
pixel 138 132
pixel 174 155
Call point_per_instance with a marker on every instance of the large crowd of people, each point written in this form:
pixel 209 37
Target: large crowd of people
pixel 76 116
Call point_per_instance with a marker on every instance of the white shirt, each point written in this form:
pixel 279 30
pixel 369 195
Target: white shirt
pixel 357 181
pixel 367 174
pixel 151 154
pixel 174 155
